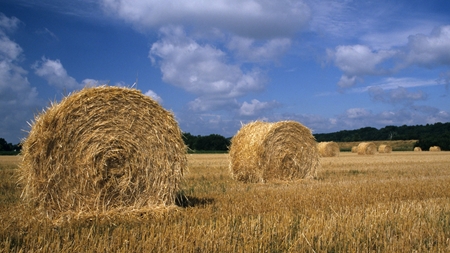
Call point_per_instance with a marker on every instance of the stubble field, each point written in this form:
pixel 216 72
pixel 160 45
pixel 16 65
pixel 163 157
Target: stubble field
pixel 396 202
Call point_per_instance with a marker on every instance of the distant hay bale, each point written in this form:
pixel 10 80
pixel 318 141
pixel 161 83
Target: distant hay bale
pixel 435 148
pixel 367 148
pixel 384 149
pixel 102 149
pixel 417 149
pixel 328 149
pixel 355 149
pixel 284 150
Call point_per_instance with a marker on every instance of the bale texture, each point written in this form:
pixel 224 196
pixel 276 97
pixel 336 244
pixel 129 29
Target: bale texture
pixel 328 149
pixel 102 149
pixel 417 149
pixel 284 150
pixel 435 148
pixel 355 149
pixel 367 148
pixel 384 148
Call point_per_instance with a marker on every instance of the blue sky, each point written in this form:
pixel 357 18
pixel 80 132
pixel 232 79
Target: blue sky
pixel 331 65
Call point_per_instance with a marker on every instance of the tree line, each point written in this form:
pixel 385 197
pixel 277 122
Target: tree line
pixel 428 135
pixel 437 134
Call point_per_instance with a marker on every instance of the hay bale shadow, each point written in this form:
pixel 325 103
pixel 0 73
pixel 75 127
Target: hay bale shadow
pixel 191 201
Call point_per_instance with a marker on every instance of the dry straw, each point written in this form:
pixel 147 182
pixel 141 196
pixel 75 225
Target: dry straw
pixel 417 149
pixel 355 149
pixel 284 150
pixel 384 148
pixel 435 148
pixel 367 148
pixel 328 149
pixel 102 149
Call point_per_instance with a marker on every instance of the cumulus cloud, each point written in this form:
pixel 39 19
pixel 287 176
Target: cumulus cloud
pixel 154 96
pixel 396 96
pixel 201 69
pixel 8 24
pixel 248 49
pixel 256 108
pixel 255 18
pixel 429 51
pixel 55 74
pixel 16 93
pixel 357 61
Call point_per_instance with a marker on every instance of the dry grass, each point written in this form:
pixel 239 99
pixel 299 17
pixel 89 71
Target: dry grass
pixel 284 150
pixel 99 150
pixel 398 202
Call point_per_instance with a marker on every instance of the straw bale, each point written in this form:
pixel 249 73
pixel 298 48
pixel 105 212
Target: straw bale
pixel 284 150
pixel 384 148
pixel 102 149
pixel 367 148
pixel 435 148
pixel 355 149
pixel 417 149
pixel 328 149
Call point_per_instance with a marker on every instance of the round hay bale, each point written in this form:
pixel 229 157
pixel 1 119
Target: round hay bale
pixel 417 149
pixel 284 150
pixel 102 149
pixel 355 149
pixel 328 149
pixel 384 148
pixel 435 148
pixel 367 148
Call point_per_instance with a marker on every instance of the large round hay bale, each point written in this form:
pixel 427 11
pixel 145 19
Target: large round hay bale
pixel 435 148
pixel 102 149
pixel 355 149
pixel 284 150
pixel 367 148
pixel 328 149
pixel 384 148
pixel 417 149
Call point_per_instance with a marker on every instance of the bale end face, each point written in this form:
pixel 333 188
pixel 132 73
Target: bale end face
pixel 328 149
pixel 101 149
pixel 367 148
pixel 263 151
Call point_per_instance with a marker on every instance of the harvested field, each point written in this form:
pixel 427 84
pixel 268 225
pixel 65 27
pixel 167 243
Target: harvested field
pixel 397 202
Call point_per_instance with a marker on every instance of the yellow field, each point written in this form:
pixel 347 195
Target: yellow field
pixel 396 202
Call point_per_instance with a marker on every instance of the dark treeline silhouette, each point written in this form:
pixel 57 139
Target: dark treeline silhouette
pixel 437 134
pixel 9 148
pixel 212 142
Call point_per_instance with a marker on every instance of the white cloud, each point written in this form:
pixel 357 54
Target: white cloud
pixel 394 83
pixel 154 96
pixel 8 24
pixel 429 51
pixel 17 97
pixel 358 60
pixel 395 96
pixel 201 69
pixel 254 18
pixel 256 108
pixel 247 49
pixel 55 74
pixel 355 113
pixel 203 104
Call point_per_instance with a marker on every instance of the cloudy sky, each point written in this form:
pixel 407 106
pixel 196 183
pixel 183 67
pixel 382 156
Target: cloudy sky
pixel 331 65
